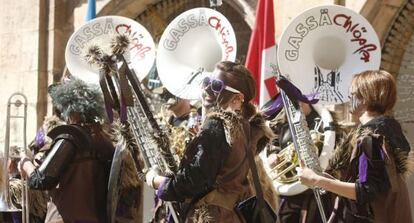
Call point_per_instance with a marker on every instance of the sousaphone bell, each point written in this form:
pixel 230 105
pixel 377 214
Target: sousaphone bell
pixel 319 52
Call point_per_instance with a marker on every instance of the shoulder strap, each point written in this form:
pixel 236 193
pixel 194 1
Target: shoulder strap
pixel 255 175
pixel 258 209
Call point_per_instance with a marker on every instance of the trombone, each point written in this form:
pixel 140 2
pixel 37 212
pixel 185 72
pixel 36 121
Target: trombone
pixel 6 204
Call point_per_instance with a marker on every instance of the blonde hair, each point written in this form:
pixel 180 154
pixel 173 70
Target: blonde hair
pixel 376 89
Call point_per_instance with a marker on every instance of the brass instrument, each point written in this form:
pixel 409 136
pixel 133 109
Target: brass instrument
pixel 179 135
pixel 287 159
pixel 6 204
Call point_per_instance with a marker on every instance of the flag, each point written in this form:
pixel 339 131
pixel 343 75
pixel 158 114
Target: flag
pixel 261 56
pixel 91 11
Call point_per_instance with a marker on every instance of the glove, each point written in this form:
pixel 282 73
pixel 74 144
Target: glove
pixel 150 176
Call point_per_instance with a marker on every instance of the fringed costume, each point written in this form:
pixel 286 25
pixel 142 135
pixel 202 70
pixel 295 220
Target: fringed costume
pixel 377 158
pixel 130 188
pixel 213 173
pixel 76 168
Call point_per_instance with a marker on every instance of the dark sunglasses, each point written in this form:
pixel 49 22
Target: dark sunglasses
pixel 216 85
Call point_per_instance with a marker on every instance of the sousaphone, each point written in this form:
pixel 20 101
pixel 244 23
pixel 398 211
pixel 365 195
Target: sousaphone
pixel 319 51
pixel 323 47
pixel 189 48
pixel 101 31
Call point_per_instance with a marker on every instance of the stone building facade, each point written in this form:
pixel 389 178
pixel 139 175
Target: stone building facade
pixel 33 36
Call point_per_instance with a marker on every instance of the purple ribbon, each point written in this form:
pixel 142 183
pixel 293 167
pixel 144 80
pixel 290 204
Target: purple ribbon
pixel 363 160
pixel 161 188
pixel 40 138
pixel 273 106
pixel 158 192
pixel 363 167
pixel 294 93
pixel 16 217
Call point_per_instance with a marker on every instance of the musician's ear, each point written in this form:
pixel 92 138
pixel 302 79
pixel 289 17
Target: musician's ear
pixel 240 97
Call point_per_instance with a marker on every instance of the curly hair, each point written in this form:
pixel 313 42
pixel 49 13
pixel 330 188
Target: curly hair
pixel 75 95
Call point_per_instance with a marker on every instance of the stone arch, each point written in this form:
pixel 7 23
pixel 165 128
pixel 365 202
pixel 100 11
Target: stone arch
pixel 155 15
pixel 131 8
pixel 394 23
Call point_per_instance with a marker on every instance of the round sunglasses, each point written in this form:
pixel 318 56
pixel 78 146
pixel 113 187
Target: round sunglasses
pixel 217 85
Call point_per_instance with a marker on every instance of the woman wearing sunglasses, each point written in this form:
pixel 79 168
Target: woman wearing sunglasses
pixel 371 164
pixel 213 173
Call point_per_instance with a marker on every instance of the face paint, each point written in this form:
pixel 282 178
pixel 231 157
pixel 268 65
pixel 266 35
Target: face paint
pixel 355 103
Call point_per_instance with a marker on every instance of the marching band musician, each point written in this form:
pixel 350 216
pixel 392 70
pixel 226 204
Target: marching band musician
pixel 179 108
pixel 37 199
pixel 75 171
pixel 182 121
pixel 212 175
pixel 371 164
pixel 178 115
pixel 301 207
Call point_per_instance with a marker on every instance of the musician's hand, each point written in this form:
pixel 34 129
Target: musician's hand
pixel 307 176
pixel 38 158
pixel 12 166
pixel 273 160
pixel 25 166
pixel 150 176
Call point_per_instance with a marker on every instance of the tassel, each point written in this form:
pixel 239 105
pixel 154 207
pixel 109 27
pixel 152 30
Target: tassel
pixel 93 55
pixel 119 44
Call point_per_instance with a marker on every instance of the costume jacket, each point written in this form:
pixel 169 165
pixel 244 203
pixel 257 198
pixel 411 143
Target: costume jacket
pixel 213 172
pixel 375 158
pixel 75 172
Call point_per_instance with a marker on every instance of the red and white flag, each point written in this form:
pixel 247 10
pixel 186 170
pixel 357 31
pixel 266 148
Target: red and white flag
pixel 261 56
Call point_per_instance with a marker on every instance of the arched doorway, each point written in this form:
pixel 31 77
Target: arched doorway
pixel 156 15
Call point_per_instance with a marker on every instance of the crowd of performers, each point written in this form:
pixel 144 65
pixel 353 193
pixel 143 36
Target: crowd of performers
pixel 364 181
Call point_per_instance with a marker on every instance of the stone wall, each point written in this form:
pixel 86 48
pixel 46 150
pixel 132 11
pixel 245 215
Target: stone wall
pixel 404 109
pixel 19 61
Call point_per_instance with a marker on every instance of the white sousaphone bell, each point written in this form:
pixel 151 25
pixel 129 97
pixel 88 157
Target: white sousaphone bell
pixel 319 51
pixel 323 47
pixel 140 55
pixel 189 48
